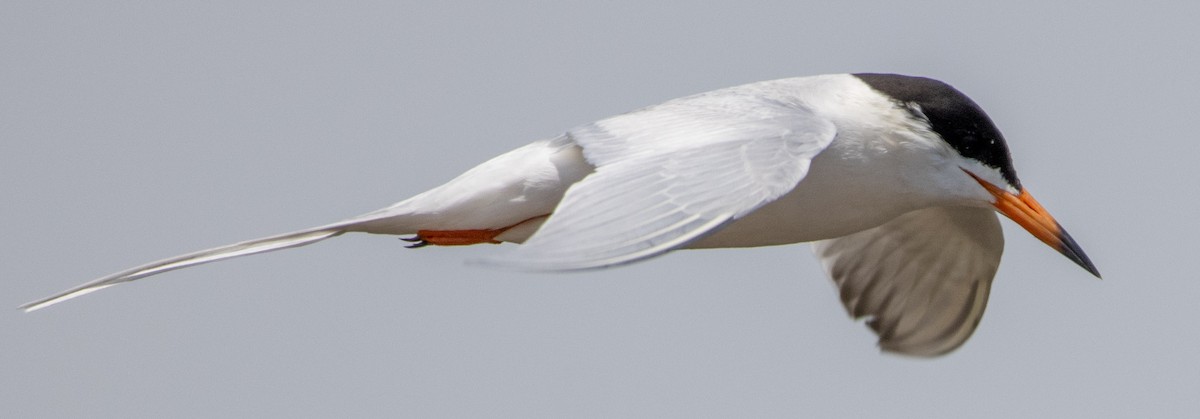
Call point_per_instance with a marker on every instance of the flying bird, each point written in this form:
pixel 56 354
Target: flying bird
pixel 895 179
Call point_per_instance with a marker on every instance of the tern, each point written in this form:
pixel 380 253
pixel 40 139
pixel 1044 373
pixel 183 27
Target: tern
pixel 895 179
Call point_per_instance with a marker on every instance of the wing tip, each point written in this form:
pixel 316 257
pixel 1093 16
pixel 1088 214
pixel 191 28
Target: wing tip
pixel 528 260
pixel 58 298
pixel 524 264
pixel 245 248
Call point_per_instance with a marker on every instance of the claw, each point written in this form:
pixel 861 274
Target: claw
pixel 416 240
pixel 417 244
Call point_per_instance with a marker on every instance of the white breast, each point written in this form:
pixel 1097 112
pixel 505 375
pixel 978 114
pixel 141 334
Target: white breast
pixel 867 176
pixel 842 194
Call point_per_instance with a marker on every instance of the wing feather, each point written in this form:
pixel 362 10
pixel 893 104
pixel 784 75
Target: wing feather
pixel 246 248
pixel 921 279
pixel 670 174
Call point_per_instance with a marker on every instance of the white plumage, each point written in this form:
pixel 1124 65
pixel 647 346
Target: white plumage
pixel 900 218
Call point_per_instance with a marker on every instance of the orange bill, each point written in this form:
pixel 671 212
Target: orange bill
pixel 1028 213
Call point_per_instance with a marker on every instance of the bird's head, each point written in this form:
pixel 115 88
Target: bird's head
pixel 980 153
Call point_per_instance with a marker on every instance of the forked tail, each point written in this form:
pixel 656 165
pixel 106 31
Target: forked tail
pixel 266 244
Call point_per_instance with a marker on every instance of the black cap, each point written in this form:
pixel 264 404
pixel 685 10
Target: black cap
pixel 952 115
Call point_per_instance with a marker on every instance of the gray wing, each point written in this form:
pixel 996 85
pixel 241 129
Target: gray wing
pixel 669 174
pixel 922 279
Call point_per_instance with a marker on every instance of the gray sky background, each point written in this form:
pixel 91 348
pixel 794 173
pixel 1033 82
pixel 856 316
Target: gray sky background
pixel 131 131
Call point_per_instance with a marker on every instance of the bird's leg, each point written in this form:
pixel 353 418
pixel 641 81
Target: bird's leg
pixel 453 237
pixel 460 237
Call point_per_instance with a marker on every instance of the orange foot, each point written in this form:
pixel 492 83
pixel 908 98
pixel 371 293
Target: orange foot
pixel 453 237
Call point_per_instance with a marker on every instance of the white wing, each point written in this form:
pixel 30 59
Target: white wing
pixel 922 279
pixel 265 244
pixel 669 174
